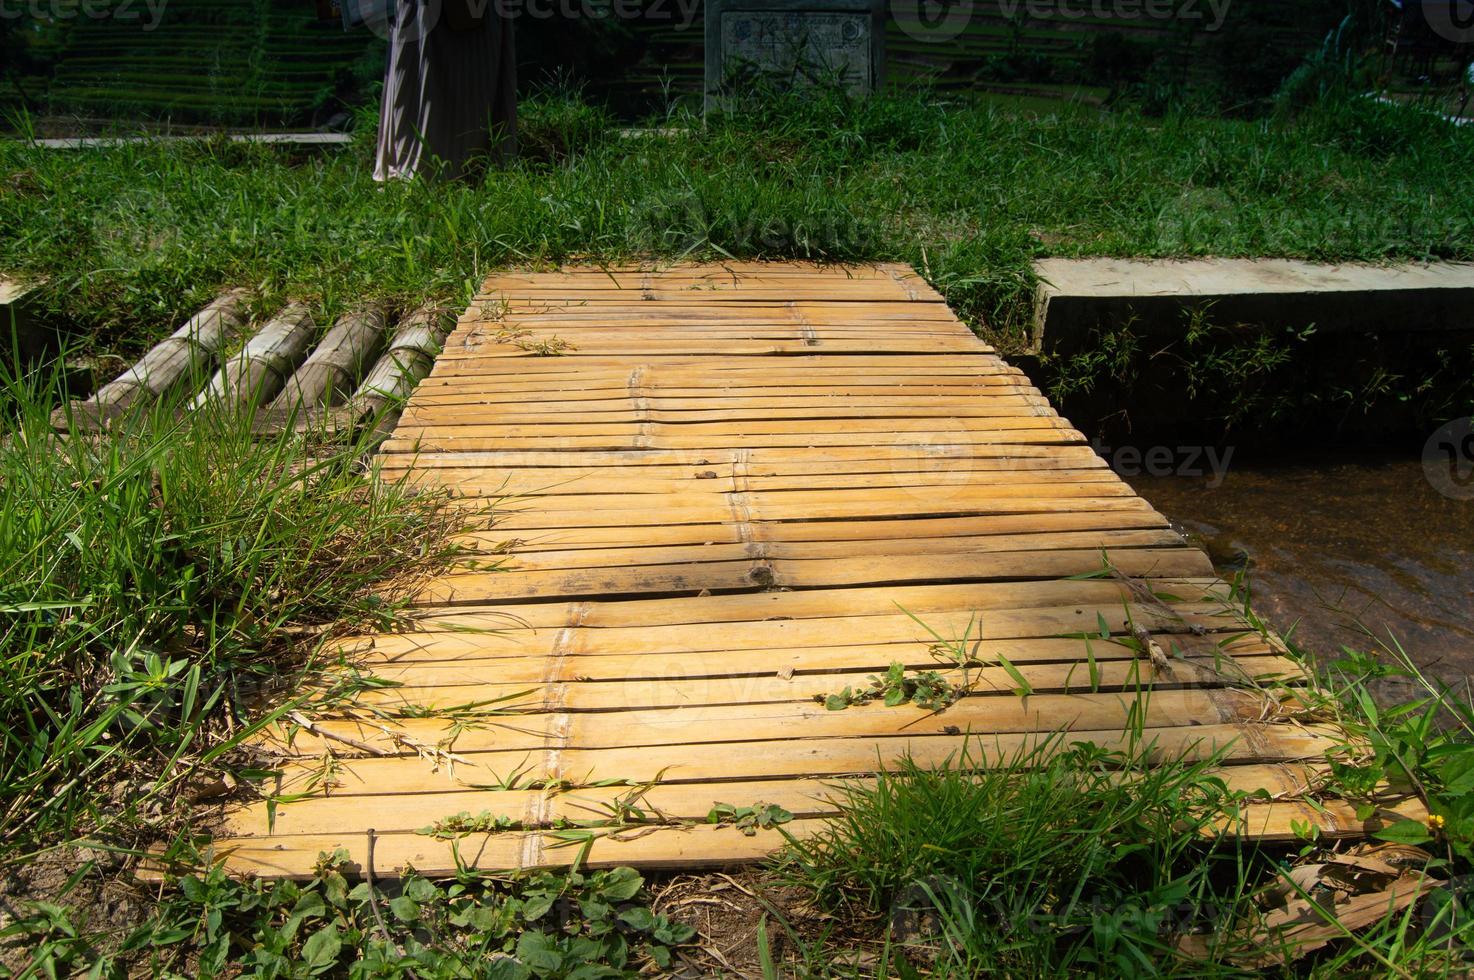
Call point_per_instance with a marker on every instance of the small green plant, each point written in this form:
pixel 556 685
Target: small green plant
pixel 925 689
pixel 1417 741
pixel 749 819
pixel 465 823
pixel 547 347
pixel 1422 747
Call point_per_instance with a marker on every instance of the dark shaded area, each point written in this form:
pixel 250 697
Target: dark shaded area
pixel 1272 386
pixel 278 62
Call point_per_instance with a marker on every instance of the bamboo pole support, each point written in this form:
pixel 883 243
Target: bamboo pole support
pixel 329 374
pixel 190 350
pixel 253 376
pixel 417 341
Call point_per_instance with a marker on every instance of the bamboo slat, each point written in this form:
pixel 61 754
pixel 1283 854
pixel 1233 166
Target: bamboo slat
pixel 685 847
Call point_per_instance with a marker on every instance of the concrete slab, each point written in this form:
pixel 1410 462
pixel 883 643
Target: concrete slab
pixel 270 139
pixel 18 329
pixel 1077 296
pixel 11 292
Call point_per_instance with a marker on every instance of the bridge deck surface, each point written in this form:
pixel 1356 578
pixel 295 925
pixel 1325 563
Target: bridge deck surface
pixel 726 492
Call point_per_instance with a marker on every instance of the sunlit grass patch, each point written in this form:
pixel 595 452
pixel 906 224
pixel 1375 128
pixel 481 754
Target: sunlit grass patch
pixel 160 583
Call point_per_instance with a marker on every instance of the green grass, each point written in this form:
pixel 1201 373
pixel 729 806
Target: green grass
pixel 255 62
pixel 1036 846
pixel 155 585
pixel 132 239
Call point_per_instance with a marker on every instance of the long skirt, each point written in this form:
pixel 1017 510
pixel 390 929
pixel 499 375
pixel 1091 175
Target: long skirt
pixel 450 91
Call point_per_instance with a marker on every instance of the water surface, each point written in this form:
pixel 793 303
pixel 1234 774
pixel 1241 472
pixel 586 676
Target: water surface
pixel 1337 545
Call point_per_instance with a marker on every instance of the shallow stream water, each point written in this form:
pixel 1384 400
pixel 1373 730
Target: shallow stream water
pixel 1336 545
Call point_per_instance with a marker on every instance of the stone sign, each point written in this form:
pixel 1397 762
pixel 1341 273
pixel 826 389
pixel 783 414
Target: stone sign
pixel 786 43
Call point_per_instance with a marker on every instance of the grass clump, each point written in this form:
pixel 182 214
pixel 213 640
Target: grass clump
pixel 558 122
pixel 156 584
pixel 1069 858
pixel 1030 854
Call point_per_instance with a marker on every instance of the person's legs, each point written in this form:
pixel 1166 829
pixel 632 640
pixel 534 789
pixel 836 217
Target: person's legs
pixel 405 109
pixel 474 73
pixel 450 92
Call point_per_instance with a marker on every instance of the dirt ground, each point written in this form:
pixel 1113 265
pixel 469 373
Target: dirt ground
pixel 89 881
pixel 727 908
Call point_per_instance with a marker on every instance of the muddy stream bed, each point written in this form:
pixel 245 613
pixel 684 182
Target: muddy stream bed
pixel 1337 545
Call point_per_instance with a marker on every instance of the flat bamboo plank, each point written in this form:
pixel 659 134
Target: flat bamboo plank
pixel 604 558
pixel 724 492
pixel 462 684
pixel 452 635
pixel 541 760
pixel 405 812
pixel 429 417
pixel 508 659
pixel 938 605
pixel 930 475
pixel 684 847
pixel 689 847
pixel 457 588
pixel 757 462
